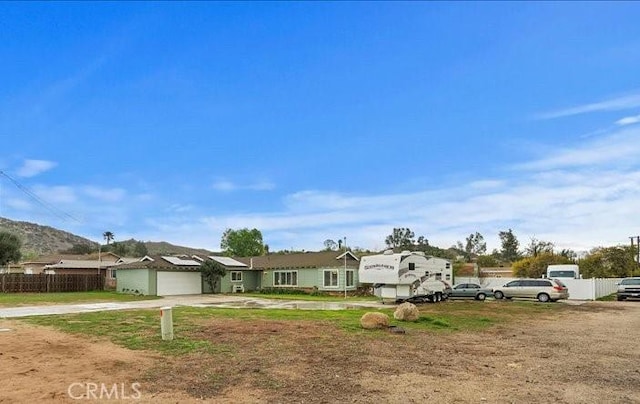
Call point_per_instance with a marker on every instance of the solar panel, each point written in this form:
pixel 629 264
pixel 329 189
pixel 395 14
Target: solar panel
pixel 228 262
pixel 180 261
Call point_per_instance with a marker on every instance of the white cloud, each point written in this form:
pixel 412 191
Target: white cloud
pixel 31 168
pixel 614 104
pixel 629 120
pixel 104 194
pixel 224 185
pixel 578 197
pixel 56 194
pixel 620 147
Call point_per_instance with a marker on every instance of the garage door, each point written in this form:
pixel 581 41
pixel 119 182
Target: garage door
pixel 179 283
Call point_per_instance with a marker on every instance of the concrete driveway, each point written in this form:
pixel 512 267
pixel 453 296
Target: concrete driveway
pixel 190 300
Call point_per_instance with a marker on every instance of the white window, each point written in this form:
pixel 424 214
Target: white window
pixel 350 280
pixel 112 273
pixel 285 278
pixel 236 276
pixel 331 278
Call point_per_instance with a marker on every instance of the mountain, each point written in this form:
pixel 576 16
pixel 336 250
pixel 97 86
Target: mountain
pixel 38 240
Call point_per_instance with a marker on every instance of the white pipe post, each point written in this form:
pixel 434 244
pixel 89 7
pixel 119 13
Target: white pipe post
pixel 345 267
pixel 166 323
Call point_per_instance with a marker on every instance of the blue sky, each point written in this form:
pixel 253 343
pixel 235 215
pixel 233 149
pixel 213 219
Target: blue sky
pixel 315 121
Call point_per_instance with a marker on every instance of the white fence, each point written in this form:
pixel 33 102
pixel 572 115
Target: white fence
pixel 579 289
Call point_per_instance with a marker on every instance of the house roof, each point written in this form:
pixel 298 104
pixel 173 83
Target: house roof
pixel 79 264
pixel 322 259
pixel 159 263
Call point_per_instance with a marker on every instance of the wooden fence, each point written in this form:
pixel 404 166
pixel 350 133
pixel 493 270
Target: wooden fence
pixel 44 283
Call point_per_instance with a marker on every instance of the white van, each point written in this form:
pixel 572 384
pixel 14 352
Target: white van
pixel 567 271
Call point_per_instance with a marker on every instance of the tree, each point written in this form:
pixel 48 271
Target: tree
pixel 242 242
pixel 79 249
pixel 536 247
pixel 108 236
pixel 604 262
pixel 567 253
pixel 330 245
pixel 474 245
pixel 140 249
pixel 10 245
pixel 119 249
pixel 401 237
pixel 510 246
pixel 536 266
pixel 212 271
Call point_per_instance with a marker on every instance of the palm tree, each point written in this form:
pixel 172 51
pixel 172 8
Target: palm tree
pixel 108 236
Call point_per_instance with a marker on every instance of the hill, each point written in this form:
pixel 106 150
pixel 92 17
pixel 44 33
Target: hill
pixel 38 240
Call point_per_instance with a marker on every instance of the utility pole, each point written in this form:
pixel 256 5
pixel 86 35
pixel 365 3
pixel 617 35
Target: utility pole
pixel 637 254
pixel 345 267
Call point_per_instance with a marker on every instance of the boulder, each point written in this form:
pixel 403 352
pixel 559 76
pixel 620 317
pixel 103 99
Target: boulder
pixel 373 320
pixel 406 312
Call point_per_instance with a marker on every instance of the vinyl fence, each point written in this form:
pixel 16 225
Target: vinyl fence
pixel 579 289
pixel 43 283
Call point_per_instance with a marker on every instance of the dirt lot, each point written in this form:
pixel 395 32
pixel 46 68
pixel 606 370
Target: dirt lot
pixel 583 354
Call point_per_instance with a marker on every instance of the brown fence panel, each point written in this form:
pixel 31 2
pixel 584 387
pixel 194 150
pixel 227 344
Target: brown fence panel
pixel 22 283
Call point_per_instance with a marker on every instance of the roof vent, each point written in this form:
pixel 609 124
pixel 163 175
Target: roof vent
pixel 406 252
pixel 388 252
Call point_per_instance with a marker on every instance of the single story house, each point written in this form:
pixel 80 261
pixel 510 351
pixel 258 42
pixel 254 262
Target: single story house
pixel 167 275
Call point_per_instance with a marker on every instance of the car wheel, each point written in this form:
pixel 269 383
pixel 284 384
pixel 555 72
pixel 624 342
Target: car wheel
pixel 543 297
pixel 481 296
pixel 498 295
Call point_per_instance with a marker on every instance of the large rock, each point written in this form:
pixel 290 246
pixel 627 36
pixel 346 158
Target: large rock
pixel 373 320
pixel 407 312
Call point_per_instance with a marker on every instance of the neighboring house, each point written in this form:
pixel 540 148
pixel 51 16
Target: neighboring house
pixel 324 271
pixel 496 272
pixel 37 265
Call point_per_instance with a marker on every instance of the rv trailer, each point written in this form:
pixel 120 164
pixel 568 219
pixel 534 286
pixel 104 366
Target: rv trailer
pixel 406 276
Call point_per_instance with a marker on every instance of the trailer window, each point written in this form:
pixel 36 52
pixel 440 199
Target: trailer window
pixel 412 266
pixel 330 279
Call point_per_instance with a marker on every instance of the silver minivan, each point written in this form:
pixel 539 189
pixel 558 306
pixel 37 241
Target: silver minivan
pixel 544 290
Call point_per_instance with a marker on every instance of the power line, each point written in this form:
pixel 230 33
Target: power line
pixel 56 211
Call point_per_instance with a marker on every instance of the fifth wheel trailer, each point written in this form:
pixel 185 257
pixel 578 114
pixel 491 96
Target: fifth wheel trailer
pixel 406 276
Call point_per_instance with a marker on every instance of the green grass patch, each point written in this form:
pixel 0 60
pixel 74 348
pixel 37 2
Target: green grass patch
pixel 140 329
pixel 609 298
pixel 25 299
